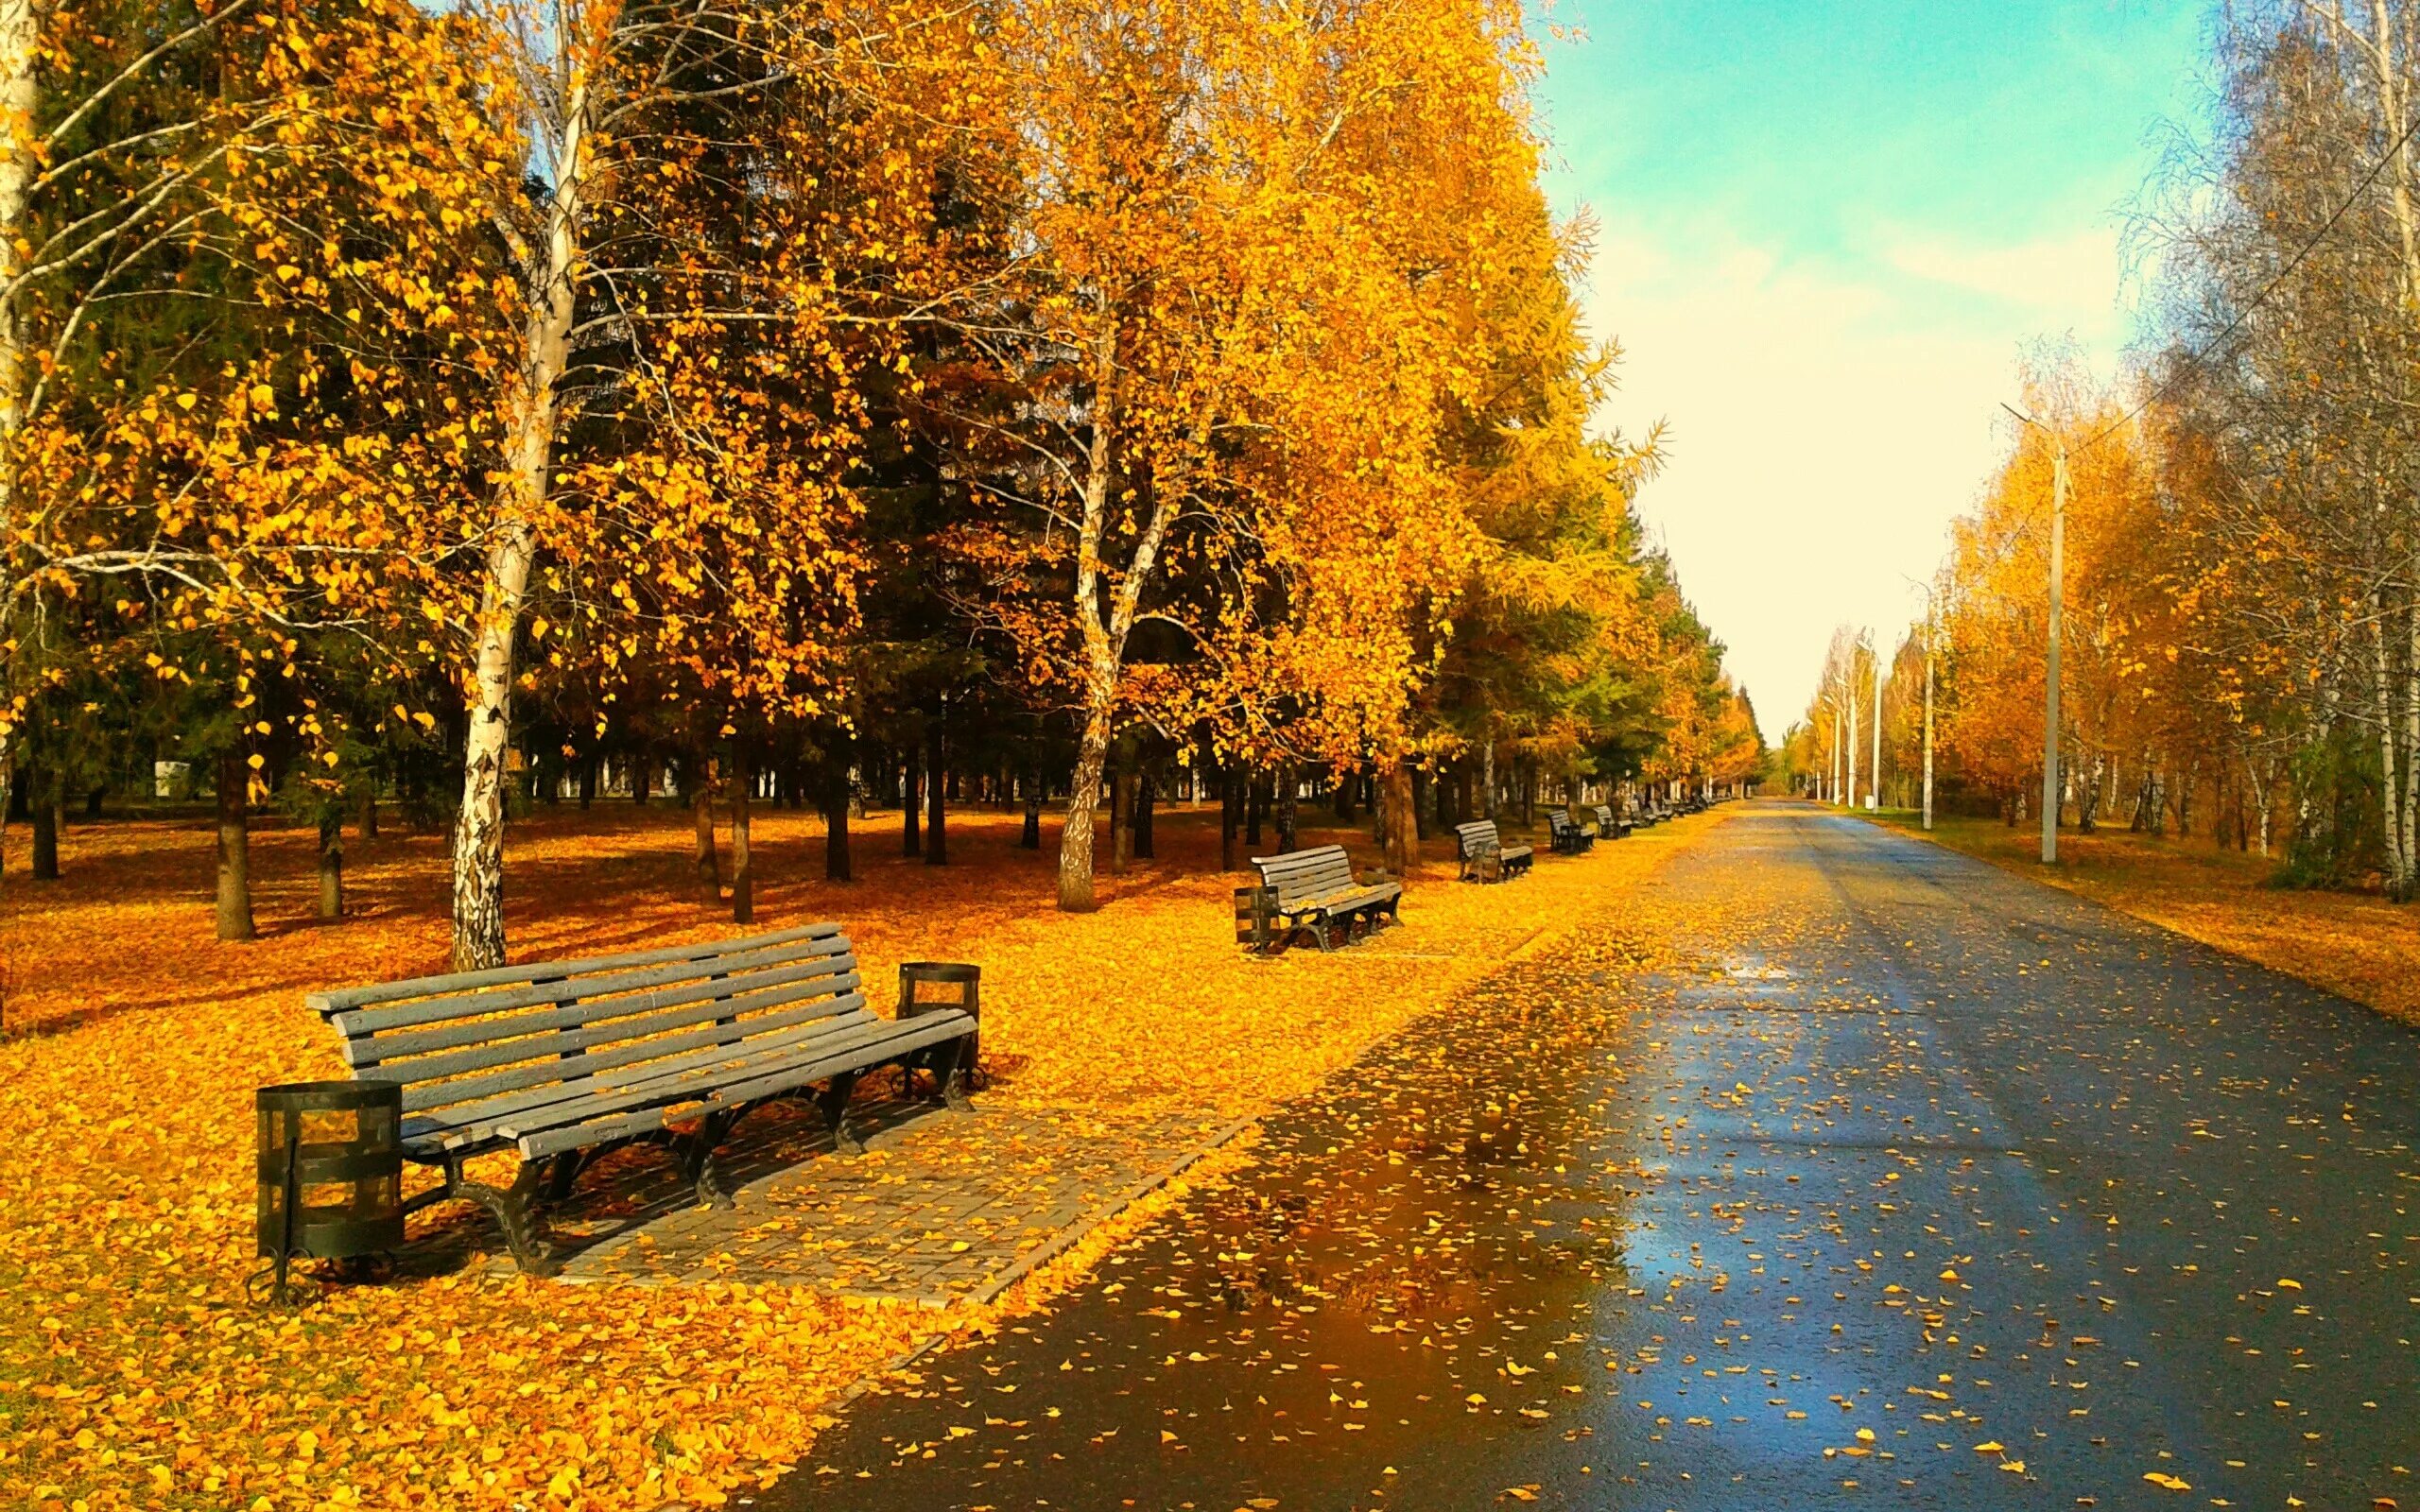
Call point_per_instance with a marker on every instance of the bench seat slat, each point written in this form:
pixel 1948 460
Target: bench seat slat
pixel 609 1116
pixel 337 998
pixel 451 1115
pixel 1359 897
pixel 355 1024
pixel 539 1019
pixel 526 1071
pixel 1302 877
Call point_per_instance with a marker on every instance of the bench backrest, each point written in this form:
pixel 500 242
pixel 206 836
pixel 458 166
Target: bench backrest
pixel 1476 839
pixel 1558 821
pixel 1604 818
pixel 477 1036
pixel 1314 873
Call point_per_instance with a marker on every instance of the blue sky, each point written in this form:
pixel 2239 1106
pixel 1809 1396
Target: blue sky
pixel 1826 232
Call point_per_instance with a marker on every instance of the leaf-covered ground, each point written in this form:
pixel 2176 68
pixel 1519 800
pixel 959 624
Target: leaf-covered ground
pixel 2357 945
pixel 133 1371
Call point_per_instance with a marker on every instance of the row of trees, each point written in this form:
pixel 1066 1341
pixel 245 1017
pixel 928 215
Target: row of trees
pixel 442 400
pixel 2241 636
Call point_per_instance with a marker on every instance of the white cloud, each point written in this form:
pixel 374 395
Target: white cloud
pixel 1826 422
pixel 2058 276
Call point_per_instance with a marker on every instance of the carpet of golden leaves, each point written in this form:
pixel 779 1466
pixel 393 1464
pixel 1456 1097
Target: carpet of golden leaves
pixel 2357 945
pixel 132 1373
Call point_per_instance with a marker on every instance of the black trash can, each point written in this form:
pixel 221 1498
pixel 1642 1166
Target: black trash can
pixel 1256 910
pixel 330 1171
pixel 960 986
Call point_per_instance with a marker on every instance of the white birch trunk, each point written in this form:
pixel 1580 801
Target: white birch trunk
pixel 20 97
pixel 479 831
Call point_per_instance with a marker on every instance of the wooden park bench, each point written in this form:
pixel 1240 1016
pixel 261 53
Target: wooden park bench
pixel 1568 840
pixel 1315 892
pixel 1609 828
pixel 561 1061
pixel 1485 855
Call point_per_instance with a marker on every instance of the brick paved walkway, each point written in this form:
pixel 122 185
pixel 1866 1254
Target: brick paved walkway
pixel 940 1204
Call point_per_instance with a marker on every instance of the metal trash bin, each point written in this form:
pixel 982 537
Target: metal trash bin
pixel 1255 911
pixel 330 1169
pixel 962 989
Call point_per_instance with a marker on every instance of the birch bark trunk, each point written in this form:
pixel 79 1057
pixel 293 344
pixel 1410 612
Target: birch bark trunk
pixel 20 97
pixel 479 831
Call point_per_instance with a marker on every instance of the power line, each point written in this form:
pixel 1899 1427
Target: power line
pixel 2292 263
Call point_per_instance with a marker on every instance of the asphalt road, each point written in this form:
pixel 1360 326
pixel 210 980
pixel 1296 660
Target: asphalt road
pixel 1836 1170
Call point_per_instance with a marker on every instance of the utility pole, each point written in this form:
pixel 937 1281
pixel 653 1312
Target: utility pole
pixel 2051 680
pixel 1929 637
pixel 1874 790
pixel 2050 662
pixel 1848 695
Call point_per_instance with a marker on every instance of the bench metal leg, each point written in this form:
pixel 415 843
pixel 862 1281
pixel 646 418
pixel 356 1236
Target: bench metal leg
pixel 834 1106
pixel 697 1161
pixel 561 1171
pixel 515 1212
pixel 954 1062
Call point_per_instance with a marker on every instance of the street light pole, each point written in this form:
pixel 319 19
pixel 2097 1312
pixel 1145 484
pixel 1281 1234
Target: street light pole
pixel 1874 791
pixel 1928 635
pixel 2051 680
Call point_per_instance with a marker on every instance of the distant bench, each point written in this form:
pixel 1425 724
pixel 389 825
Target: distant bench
pixel 1609 828
pixel 562 1061
pixel 1567 838
pixel 1314 891
pixel 1474 842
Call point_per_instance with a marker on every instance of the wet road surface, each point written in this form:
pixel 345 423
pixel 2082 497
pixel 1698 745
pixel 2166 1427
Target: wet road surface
pixel 1833 1170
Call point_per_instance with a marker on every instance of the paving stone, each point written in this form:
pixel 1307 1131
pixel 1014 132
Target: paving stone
pixel 938 1206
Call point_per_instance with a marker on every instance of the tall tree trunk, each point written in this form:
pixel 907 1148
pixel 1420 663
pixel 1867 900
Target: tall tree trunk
pixel 2411 722
pixel 1256 805
pixel 1487 778
pixel 21 61
pixel 1029 838
pixel 367 824
pixel 1121 819
pixel 702 808
pixel 911 800
pixel 2398 861
pixel 234 853
pixel 331 863
pixel 1145 794
pixel 1288 795
pixel 835 815
pixel 43 810
pixel 587 780
pixel 533 410
pixel 642 776
pixel 1075 838
pixel 1396 807
pixel 937 791
pixel 1231 804
pixel 743 792
pixel 1106 604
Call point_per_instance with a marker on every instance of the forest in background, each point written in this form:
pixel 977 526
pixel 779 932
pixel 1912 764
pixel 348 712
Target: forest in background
pixel 804 399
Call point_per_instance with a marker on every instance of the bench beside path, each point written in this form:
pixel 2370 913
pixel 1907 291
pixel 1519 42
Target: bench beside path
pixel 562 1061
